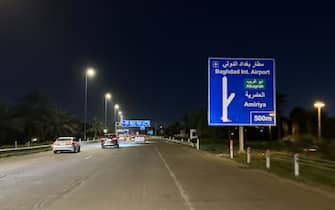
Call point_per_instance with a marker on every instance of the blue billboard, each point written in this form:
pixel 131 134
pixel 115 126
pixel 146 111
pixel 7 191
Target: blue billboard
pixel 135 123
pixel 241 91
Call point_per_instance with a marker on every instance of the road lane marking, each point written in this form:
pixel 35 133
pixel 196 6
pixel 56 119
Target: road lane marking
pixel 179 186
pixel 88 157
pixel 42 204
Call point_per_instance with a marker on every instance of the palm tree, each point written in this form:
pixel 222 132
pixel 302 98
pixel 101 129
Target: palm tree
pixel 37 118
pixel 7 129
pixel 59 123
pixel 97 127
pixel 29 115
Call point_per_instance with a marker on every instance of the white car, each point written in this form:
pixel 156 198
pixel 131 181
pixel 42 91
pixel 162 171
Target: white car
pixel 66 144
pixel 122 137
pixel 139 139
pixel 109 140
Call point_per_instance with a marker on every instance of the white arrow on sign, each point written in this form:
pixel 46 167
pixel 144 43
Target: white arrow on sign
pixel 225 100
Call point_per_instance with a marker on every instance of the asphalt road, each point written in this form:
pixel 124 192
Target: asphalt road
pixel 145 177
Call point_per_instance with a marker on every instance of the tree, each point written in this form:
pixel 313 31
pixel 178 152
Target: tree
pixel 59 123
pixel 8 127
pixel 35 117
pixel 281 101
pixel 97 127
pixel 300 121
pixel 30 116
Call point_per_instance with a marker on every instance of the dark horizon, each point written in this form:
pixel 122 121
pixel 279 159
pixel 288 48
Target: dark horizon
pixel 153 56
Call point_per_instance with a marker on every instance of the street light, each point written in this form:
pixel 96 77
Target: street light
pixel 108 97
pixel 319 105
pixel 116 107
pixel 121 117
pixel 89 73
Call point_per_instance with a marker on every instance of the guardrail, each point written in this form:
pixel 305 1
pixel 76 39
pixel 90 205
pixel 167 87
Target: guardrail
pixel 13 149
pixel 301 166
pixel 299 159
pixel 296 160
pixel 187 142
pixel 16 148
pixel 24 148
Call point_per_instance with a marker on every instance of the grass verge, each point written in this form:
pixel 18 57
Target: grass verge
pixel 281 163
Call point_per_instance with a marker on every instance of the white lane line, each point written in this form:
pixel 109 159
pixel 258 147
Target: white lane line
pixel 179 186
pixel 88 157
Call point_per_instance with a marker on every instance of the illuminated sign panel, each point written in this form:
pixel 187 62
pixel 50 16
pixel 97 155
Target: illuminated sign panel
pixel 135 123
pixel 241 91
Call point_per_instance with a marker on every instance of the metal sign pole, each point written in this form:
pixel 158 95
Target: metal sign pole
pixel 241 139
pixel 231 148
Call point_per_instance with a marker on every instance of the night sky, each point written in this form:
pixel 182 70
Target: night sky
pixel 152 55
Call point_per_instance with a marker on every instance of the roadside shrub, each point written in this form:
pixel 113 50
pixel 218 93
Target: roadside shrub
pixel 327 149
pixel 299 143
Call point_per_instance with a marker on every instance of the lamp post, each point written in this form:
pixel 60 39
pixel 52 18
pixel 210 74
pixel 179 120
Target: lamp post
pixel 90 72
pixel 108 96
pixel 319 105
pixel 119 116
pixel 116 107
pixel 121 119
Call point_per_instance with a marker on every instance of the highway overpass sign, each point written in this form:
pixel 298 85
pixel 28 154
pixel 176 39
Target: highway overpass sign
pixel 241 91
pixel 135 123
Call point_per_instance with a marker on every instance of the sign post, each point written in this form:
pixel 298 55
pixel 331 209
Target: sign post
pixel 241 92
pixel 231 148
pixel 241 140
